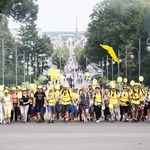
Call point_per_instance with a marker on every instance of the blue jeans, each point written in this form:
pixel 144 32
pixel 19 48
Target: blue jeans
pixel 73 110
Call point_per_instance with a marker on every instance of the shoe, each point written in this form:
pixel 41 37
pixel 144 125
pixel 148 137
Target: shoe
pixel 52 121
pixel 112 121
pixel 39 121
pixel 28 120
pixel 142 119
pixel 98 121
pixel 49 121
pixel 42 119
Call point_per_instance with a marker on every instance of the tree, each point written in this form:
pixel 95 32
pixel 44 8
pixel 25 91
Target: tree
pixel 60 52
pixel 21 11
pixel 118 23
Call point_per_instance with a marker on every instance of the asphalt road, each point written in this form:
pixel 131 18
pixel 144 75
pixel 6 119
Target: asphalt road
pixel 75 136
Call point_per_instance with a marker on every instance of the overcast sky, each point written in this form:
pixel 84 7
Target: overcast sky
pixel 60 15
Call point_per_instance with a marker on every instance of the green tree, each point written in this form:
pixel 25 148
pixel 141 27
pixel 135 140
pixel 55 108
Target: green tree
pixel 118 23
pixel 21 11
pixel 60 52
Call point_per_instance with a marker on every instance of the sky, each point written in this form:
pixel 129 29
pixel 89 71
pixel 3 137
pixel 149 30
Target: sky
pixel 60 15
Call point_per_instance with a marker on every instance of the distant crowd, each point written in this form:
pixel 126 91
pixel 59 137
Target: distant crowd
pixel 60 102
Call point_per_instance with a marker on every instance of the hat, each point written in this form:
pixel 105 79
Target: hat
pixel 18 87
pixel 6 91
pixel 66 86
pixel 50 88
pixel 57 87
pixel 113 86
pixel 39 87
pixel 24 89
pixel 124 87
pixel 13 89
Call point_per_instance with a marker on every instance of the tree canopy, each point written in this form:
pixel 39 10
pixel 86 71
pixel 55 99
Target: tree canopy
pixel 118 23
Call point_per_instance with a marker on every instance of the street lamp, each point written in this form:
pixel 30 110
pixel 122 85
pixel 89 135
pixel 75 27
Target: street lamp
pixel 3 62
pixel 126 61
pixel 112 67
pixel 148 44
pixel 17 67
pixel 139 55
pixel 86 61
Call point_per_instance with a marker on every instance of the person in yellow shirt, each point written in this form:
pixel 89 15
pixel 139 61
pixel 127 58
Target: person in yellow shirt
pixel 74 104
pixel 66 97
pixel 124 103
pixel 113 98
pixel 8 103
pixel 57 105
pixel 51 101
pixel 142 93
pixel 98 103
pixel 31 97
pixel 136 96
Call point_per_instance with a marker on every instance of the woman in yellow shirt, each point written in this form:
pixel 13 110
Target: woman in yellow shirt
pixel 113 97
pixel 98 103
pixel 7 100
pixel 51 100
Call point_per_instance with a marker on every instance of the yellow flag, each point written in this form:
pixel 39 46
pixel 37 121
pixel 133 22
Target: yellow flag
pixel 111 52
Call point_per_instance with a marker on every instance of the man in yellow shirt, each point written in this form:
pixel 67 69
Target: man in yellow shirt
pixel 113 97
pixel 136 96
pixel 66 101
pixel 124 103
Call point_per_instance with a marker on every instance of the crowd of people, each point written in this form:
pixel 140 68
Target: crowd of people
pixel 60 102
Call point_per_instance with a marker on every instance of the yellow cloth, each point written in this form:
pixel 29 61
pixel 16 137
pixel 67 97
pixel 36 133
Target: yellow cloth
pixel 111 52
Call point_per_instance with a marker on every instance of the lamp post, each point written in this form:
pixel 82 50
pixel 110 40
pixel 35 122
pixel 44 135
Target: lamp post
pixel 85 62
pixel 17 67
pixel 3 61
pixel 139 55
pixel 126 61
pixel 112 67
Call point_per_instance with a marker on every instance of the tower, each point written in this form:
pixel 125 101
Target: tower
pixel 76 33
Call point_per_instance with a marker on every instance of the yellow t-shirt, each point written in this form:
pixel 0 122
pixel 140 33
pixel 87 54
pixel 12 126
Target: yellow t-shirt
pixel 113 97
pixel 66 97
pixel 124 97
pixel 136 97
pixel 98 98
pixel 51 98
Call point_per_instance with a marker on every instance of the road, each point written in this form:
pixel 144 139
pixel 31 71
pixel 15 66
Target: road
pixel 75 136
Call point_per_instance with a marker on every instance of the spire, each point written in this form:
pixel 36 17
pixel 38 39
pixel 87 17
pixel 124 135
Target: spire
pixel 76 34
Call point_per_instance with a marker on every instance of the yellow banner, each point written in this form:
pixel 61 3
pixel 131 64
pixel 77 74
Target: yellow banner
pixel 54 72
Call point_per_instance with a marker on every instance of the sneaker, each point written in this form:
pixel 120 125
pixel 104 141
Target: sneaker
pixel 49 121
pixel 52 121
pixel 98 121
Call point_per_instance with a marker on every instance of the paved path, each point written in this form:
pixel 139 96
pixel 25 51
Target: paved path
pixel 75 136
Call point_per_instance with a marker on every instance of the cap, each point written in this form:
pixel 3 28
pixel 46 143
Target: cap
pixel 6 91
pixel 39 87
